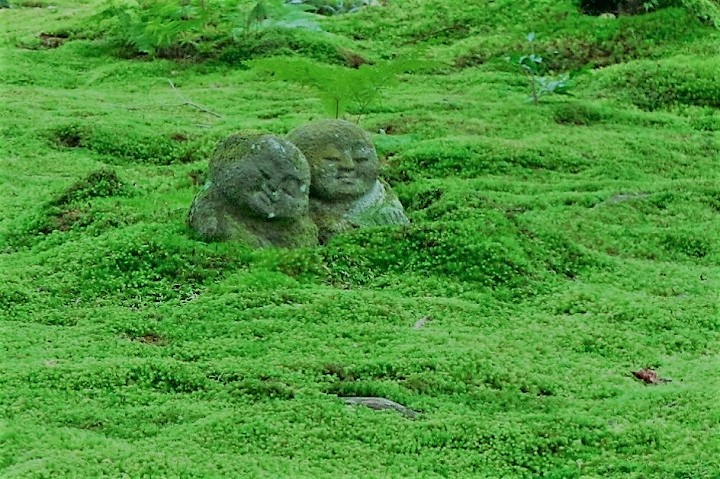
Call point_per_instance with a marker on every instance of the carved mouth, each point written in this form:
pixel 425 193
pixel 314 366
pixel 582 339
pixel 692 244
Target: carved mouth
pixel 347 179
pixel 264 203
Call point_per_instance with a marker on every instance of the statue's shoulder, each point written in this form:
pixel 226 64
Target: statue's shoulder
pixel 379 206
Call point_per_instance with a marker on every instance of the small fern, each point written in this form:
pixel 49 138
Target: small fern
pixel 171 29
pixel 341 89
pixel 277 13
pixel 708 11
pixel 151 26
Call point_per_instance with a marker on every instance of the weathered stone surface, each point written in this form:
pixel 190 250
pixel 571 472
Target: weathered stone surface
pixel 257 193
pixel 380 404
pixel 345 191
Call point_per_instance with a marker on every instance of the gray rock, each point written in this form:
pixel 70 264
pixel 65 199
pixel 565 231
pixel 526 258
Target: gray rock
pixel 379 403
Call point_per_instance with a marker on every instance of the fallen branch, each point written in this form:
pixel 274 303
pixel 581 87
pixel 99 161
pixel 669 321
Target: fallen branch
pixel 189 103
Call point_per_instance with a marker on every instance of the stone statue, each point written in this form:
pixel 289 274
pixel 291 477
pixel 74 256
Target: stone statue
pixel 345 191
pixel 257 193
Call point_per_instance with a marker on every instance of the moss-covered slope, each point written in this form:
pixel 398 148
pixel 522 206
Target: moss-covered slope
pixel 553 249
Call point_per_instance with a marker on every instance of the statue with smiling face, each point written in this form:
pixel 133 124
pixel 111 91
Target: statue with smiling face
pixel 345 191
pixel 258 193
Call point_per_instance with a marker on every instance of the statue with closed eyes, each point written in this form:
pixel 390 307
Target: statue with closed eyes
pixel 258 193
pixel 345 191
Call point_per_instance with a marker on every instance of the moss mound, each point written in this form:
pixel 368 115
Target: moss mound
pixel 84 207
pixel 137 262
pixel 129 142
pixel 654 85
pixel 494 252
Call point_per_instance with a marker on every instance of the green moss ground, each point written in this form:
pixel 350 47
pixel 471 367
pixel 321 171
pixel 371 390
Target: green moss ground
pixel 554 247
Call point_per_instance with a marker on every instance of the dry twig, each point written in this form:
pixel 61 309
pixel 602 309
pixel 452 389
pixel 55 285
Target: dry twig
pixel 189 103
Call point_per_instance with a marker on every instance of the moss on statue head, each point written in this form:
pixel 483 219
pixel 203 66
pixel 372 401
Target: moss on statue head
pixel 231 149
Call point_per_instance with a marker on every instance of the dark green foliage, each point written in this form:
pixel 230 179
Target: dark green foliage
pixel 690 243
pixel 155 27
pixel 333 7
pixel 140 148
pixel 706 120
pixel 13 295
pixel 271 42
pixel 627 7
pixel 578 114
pixel 71 136
pixel 708 11
pixel 617 41
pixel 598 42
pixel 260 389
pixel 560 255
pixel 202 29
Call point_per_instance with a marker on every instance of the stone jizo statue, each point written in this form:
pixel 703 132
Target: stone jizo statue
pixel 345 191
pixel 258 193
pixel 267 191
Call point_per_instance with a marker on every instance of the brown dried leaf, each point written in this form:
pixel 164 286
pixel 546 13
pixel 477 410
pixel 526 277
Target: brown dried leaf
pixel 649 376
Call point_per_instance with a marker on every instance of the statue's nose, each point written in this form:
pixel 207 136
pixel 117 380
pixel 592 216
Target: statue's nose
pixel 346 162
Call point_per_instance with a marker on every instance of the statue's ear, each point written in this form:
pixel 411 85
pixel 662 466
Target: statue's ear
pixel 223 182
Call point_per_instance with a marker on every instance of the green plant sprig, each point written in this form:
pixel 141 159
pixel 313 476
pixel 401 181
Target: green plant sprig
pixel 531 65
pixel 341 89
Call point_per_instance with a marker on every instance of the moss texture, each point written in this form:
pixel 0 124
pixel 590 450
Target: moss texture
pixel 554 249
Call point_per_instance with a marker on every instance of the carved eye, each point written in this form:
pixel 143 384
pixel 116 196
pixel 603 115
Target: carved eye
pixel 290 186
pixel 361 159
pixel 334 159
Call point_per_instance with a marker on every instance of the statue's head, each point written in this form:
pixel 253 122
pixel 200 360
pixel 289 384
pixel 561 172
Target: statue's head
pixel 263 175
pixel 343 161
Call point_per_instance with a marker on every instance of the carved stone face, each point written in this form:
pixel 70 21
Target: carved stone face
pixel 343 161
pixel 272 180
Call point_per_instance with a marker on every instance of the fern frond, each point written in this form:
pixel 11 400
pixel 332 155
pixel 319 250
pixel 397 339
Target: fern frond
pixel 341 89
